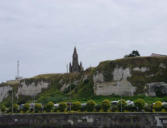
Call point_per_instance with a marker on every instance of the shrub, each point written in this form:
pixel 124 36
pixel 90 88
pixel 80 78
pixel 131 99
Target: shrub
pixel 139 103
pixel 26 107
pixel 105 105
pixel 49 106
pixel 98 107
pixel 83 108
pixel 15 108
pixel 62 107
pixel 157 105
pixel 148 108
pixel 3 108
pixel 122 105
pixel 131 108
pixel 165 107
pixel 38 107
pixel 114 108
pixel 76 106
pixel 90 106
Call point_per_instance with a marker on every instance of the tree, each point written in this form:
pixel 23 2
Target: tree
pixel 3 108
pixel 134 53
pixel 90 106
pixel 139 103
pixel 49 106
pixel 157 105
pixel 26 107
pixel 62 107
pixel 38 107
pixel 76 106
pixel 122 105
pixel 15 108
pixel 105 105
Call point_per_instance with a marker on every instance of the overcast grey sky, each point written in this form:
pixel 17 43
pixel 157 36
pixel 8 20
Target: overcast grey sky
pixel 42 33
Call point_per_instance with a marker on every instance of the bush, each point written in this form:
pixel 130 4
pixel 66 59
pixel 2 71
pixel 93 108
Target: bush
pixel 139 104
pixel 98 107
pixel 38 107
pixel 76 106
pixel 122 105
pixel 26 107
pixel 3 108
pixel 62 107
pixel 131 108
pixel 90 106
pixel 148 108
pixel 165 107
pixel 49 106
pixel 157 106
pixel 15 108
pixel 114 108
pixel 105 105
pixel 83 108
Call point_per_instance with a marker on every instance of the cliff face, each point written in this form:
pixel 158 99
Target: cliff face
pixel 127 77
pixel 131 76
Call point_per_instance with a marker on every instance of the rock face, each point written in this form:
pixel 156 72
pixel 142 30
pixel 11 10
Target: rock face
pixel 128 77
pixel 119 86
pixel 31 89
pixel 4 92
pixel 157 89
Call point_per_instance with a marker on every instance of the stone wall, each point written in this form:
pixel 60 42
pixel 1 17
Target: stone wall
pixel 85 120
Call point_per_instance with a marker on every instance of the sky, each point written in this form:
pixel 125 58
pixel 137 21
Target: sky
pixel 42 33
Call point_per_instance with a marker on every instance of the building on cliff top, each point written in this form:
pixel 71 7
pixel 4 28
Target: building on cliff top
pixel 155 54
pixel 75 66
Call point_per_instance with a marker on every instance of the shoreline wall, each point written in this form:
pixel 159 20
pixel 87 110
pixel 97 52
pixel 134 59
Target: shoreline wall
pixel 85 120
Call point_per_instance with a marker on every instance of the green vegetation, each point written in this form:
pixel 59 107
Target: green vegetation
pixel 122 105
pixel 90 106
pixel 76 106
pixel 26 107
pixel 49 106
pixel 157 106
pixel 62 107
pixel 106 105
pixel 38 107
pixel 139 103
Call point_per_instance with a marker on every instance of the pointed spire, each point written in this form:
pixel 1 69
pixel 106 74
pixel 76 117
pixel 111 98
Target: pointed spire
pixel 75 50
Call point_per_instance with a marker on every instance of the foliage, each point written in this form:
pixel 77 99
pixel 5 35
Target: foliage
pixel 90 106
pixel 157 105
pixel 131 108
pixel 49 106
pixel 3 108
pixel 26 107
pixel 134 53
pixel 98 107
pixel 76 106
pixel 15 108
pixel 139 103
pixel 38 107
pixel 105 105
pixel 148 108
pixel 122 105
pixel 62 107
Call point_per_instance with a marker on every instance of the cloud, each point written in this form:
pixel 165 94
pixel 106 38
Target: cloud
pixel 42 34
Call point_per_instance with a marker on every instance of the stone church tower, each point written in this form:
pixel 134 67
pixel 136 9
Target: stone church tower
pixel 75 66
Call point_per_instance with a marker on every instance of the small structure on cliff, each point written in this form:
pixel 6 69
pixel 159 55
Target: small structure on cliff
pixel 75 66
pixel 157 55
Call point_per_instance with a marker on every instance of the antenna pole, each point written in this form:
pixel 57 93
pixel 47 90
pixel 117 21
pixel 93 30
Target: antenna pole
pixel 18 66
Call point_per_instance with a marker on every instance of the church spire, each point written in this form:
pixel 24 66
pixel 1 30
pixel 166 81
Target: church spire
pixel 75 66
